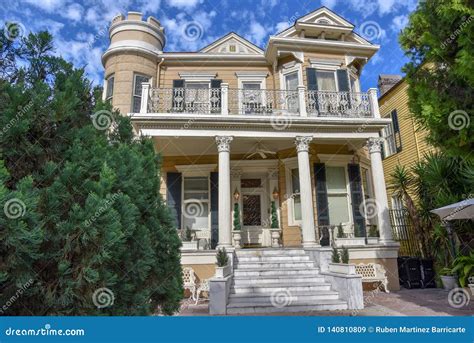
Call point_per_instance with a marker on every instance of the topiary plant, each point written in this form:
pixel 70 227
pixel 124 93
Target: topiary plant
pixel 275 224
pixel 345 255
pixel 236 217
pixel 221 257
pixel 335 256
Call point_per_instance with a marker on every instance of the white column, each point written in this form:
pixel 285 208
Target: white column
pixel 224 99
pixel 145 96
pixel 380 191
pixel 307 213
pixel 302 101
pixel 224 217
pixel 374 102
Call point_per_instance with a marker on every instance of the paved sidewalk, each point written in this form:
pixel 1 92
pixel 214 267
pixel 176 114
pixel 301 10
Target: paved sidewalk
pixel 415 302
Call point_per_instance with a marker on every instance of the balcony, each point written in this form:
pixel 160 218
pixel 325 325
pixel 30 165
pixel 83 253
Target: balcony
pixel 259 102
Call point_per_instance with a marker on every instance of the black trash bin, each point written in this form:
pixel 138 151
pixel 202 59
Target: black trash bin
pixel 427 273
pixel 409 271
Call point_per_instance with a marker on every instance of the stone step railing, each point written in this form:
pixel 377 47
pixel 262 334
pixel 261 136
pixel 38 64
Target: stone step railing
pixel 232 101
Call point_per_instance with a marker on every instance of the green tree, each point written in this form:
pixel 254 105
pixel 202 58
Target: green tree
pixel 93 234
pixel 439 40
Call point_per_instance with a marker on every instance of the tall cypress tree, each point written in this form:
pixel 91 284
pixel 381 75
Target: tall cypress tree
pixel 93 235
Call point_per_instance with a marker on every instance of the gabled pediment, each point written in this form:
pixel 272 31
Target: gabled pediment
pixel 324 16
pixel 232 43
pixel 323 24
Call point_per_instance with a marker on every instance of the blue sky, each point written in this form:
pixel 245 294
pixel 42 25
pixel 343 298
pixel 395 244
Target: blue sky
pixel 80 27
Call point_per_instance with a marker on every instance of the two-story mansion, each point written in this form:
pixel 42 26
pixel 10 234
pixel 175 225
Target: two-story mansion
pixel 283 132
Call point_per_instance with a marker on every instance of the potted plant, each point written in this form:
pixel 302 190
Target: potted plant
pixel 448 278
pixel 236 234
pixel 340 262
pixel 187 240
pixel 373 237
pixel 345 255
pixel 463 266
pixel 275 226
pixel 222 264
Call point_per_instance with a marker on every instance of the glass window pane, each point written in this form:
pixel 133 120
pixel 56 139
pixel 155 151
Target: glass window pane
pixel 196 215
pixel 139 79
pixel 326 81
pixel 197 85
pixel 250 85
pixel 338 209
pixel 336 179
pixel 196 188
pixel 195 183
pixel 291 81
pixel 297 207
pixel 295 180
pixel 137 101
pixel 110 87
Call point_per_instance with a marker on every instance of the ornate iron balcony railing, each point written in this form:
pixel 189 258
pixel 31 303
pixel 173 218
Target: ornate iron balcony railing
pixel 225 101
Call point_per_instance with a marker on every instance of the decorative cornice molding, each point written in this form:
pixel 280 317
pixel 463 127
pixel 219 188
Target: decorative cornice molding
pixel 302 143
pixel 375 144
pixel 223 143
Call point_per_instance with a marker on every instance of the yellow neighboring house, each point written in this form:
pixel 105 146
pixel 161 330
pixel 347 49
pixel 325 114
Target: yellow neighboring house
pixel 405 144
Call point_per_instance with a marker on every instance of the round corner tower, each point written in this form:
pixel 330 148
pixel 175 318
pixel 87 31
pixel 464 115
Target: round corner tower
pixel 131 58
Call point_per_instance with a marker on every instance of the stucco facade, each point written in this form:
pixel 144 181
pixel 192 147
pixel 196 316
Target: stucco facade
pixel 242 127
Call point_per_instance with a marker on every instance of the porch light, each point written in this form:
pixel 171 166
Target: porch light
pixel 275 193
pixel 236 195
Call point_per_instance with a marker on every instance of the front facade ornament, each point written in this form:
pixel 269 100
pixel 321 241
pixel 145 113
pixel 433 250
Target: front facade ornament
pixel 223 143
pixel 302 143
pixel 375 144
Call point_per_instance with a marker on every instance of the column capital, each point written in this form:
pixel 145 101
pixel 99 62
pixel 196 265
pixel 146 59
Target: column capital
pixel 375 144
pixel 302 143
pixel 223 143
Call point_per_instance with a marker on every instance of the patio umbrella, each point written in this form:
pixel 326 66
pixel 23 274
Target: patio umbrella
pixel 460 210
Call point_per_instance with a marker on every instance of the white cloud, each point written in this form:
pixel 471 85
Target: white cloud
pixel 149 6
pixel 399 23
pixel 329 3
pixel 73 12
pixel 184 4
pixel 257 33
pixel 188 34
pixel 47 5
pixel 282 25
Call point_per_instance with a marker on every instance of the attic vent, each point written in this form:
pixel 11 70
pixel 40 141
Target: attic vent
pixel 323 21
pixel 232 48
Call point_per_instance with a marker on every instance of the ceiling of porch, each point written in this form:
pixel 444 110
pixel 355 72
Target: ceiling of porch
pixel 200 146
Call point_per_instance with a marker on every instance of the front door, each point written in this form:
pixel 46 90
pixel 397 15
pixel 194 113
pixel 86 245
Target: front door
pixel 252 218
pixel 253 209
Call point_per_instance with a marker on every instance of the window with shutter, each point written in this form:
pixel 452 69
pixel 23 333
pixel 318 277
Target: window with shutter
pixel 391 133
pixel 137 91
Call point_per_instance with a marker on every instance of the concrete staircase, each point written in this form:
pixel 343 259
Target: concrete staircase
pixel 279 280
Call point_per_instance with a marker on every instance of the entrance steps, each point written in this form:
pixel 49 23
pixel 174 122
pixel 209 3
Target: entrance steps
pixel 279 280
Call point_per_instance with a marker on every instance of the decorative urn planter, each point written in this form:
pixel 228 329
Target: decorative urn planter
pixel 275 235
pixel 342 268
pixel 449 282
pixel 189 245
pixel 237 237
pixel 222 272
